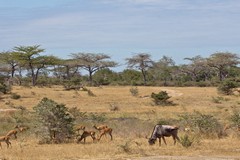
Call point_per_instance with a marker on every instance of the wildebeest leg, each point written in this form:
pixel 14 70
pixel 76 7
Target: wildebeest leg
pixel 178 138
pixel 174 139
pixel 164 140
pixel 159 141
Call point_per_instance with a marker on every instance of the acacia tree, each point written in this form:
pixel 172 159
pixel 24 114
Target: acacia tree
pixel 29 57
pixel 163 69
pixel 7 58
pixel 198 69
pixel 222 62
pixel 65 68
pixel 142 62
pixel 93 62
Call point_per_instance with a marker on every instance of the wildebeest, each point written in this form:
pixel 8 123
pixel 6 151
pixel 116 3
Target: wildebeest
pixel 161 131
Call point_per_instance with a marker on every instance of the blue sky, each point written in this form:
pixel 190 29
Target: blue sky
pixel 122 28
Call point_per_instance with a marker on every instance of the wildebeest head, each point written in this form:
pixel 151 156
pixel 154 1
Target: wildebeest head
pixel 151 141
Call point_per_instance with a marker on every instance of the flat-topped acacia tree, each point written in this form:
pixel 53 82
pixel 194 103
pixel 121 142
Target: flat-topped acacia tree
pixel 141 61
pixel 29 57
pixel 92 62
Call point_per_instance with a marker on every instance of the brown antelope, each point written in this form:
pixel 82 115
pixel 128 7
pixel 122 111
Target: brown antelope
pixel 79 128
pixel 15 131
pixel 5 139
pixel 161 131
pixel 101 127
pixel 228 126
pixel 85 135
pixel 12 132
pixel 104 132
pixel 21 129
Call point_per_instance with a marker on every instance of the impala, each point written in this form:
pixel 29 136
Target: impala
pixel 15 131
pixel 79 128
pixel 5 139
pixel 85 135
pixel 104 132
pixel 101 127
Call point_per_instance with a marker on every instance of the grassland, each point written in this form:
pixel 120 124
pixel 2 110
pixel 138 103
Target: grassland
pixel 132 122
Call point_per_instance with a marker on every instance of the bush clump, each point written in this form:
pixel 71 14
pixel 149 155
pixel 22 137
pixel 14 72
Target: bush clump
pixel 203 124
pixel 56 122
pixel 235 119
pixel 134 91
pixel 15 96
pixel 4 88
pixel 226 87
pixel 161 98
pixel 186 141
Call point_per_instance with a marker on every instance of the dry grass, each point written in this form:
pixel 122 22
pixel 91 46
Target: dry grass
pixel 132 122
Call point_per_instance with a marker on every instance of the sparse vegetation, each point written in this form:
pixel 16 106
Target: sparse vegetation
pixel 55 120
pixel 15 96
pixel 186 141
pixel 161 98
pixel 134 91
pixel 235 118
pixel 203 124
pixel 226 87
pixel 133 121
pixel 4 88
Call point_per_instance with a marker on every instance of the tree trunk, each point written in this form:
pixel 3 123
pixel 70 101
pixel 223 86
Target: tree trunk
pixel 144 77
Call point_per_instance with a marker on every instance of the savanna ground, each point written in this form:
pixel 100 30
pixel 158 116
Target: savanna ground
pixel 132 119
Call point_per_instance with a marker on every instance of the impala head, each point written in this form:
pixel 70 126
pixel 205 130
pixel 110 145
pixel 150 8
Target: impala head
pixel 151 141
pixel 17 126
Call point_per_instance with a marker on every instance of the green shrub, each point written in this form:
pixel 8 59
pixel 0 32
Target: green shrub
pixel 4 88
pixel 219 99
pixel 15 96
pixel 77 113
pixel 161 98
pixel 186 141
pixel 134 91
pixel 202 124
pixel 226 87
pixel 55 121
pixel 126 147
pixel 235 119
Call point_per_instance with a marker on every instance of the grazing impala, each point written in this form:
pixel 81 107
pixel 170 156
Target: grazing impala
pixel 101 127
pixel 79 128
pixel 85 135
pixel 15 131
pixel 12 133
pixel 104 132
pixel 5 139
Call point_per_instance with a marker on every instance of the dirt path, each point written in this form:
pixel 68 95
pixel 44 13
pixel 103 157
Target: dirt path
pixel 186 158
pixel 173 158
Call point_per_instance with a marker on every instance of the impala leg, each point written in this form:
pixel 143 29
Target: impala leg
pixel 111 136
pixel 100 136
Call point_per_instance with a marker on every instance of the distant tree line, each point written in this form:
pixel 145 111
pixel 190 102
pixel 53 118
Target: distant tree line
pixel 26 65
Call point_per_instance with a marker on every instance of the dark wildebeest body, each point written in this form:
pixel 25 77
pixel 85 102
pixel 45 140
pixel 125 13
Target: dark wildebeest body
pixel 161 131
